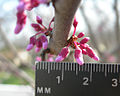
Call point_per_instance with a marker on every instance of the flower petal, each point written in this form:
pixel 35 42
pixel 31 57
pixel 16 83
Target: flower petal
pixel 84 40
pixel 63 54
pixel 33 40
pixel 80 35
pixel 78 56
pixel 38 58
pixel 59 58
pixel 39 19
pixel 44 41
pixel 92 54
pixel 75 23
pixel 21 7
pixel 29 47
pixel 36 27
pixel 18 28
pixel 37 49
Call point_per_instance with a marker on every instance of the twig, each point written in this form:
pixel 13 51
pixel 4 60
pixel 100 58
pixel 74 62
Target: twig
pixel 12 48
pixel 15 70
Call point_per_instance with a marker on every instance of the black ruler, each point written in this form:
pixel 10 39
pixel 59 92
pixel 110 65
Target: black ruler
pixel 71 79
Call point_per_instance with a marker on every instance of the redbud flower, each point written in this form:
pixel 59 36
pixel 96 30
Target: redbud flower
pixel 40 41
pixel 21 7
pixel 39 19
pixel 92 54
pixel 75 23
pixel 18 28
pixel 38 45
pixel 62 55
pixel 80 48
pixel 78 56
pixel 36 27
pixel 44 41
pixel 29 47
pixel 21 19
pixel 38 58
pixel 50 58
pixel 84 40
pixel 21 16
pixel 80 35
pixel 31 44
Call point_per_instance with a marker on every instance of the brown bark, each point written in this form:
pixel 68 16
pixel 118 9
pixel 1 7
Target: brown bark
pixel 64 14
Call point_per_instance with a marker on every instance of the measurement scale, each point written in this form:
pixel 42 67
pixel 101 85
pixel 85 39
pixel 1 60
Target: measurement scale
pixel 71 79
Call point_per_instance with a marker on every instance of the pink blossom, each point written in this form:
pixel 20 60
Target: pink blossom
pixel 92 54
pixel 33 40
pixel 36 27
pixel 78 56
pixel 80 35
pixel 21 16
pixel 21 7
pixel 38 58
pixel 31 44
pixel 18 28
pixel 50 58
pixel 84 40
pixel 44 41
pixel 29 47
pixel 38 45
pixel 75 23
pixel 62 55
pixel 39 19
pixel 21 20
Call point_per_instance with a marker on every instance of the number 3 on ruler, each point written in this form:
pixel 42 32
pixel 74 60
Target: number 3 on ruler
pixel 114 82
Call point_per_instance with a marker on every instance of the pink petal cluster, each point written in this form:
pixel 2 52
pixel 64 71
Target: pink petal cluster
pixel 80 47
pixel 40 38
pixel 21 16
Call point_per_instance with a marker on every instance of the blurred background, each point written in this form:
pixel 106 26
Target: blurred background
pixel 99 19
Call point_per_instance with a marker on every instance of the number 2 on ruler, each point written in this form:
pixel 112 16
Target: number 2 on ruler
pixel 85 81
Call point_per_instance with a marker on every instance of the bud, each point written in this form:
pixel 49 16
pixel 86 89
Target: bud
pixel 36 27
pixel 32 40
pixel 78 56
pixel 44 41
pixel 62 55
pixel 29 47
pixel 84 40
pixel 39 19
pixel 80 35
pixel 91 53
pixel 18 28
pixel 75 23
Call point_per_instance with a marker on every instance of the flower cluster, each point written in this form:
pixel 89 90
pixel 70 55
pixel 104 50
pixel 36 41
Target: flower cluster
pixel 80 47
pixel 40 38
pixel 21 16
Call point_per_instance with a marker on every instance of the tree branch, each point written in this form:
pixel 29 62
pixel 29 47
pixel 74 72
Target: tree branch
pixel 64 14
